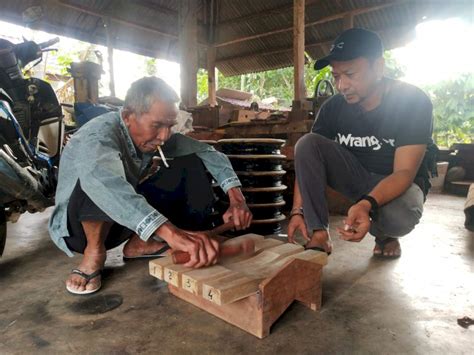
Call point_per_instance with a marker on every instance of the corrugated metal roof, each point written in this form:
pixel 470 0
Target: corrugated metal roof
pixel 250 35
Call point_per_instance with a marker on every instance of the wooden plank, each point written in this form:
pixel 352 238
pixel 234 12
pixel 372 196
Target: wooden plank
pixel 157 266
pixel 312 256
pixel 192 280
pixel 174 272
pixel 230 288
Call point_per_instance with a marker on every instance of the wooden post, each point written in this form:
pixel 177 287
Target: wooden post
pixel 348 21
pixel 187 20
pixel 110 55
pixel 211 75
pixel 298 49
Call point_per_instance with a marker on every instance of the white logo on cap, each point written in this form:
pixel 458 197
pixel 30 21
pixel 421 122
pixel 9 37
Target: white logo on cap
pixel 339 45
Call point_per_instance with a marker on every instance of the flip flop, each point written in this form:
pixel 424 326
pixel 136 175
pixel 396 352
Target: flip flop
pixel 381 244
pixel 87 277
pixel 318 249
pixel 158 254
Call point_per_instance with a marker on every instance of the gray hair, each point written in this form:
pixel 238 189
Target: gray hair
pixel 145 91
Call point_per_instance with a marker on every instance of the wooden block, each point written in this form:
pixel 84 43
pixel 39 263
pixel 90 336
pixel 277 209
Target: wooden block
pixel 172 273
pixel 297 280
pixel 156 266
pixel 192 280
pixel 244 115
pixel 230 288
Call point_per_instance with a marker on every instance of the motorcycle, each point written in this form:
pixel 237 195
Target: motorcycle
pixel 31 134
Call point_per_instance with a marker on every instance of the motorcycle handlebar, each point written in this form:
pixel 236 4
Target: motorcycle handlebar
pixel 49 43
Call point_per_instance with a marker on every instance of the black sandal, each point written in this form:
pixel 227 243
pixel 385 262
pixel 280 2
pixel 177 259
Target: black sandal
pixel 87 277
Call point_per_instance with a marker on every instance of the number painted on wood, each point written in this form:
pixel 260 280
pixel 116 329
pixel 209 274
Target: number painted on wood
pixel 210 295
pixel 170 275
pixel 188 283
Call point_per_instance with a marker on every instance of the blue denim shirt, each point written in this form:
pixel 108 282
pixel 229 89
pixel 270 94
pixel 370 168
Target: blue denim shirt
pixel 101 155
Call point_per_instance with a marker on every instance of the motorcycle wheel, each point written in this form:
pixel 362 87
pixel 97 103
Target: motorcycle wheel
pixel 3 229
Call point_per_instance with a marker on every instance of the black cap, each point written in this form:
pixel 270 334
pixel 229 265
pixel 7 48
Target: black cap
pixel 352 44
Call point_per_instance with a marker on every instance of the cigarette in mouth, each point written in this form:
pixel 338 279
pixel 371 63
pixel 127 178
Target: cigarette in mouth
pixel 162 156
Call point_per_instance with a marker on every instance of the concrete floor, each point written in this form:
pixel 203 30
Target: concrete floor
pixel 409 305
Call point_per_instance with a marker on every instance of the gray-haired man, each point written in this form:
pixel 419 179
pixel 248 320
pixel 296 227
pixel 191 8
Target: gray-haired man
pixel 100 202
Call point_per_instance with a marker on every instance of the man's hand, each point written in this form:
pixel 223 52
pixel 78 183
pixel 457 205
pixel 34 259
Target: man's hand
pixel 357 223
pixel 202 249
pixel 297 224
pixel 238 210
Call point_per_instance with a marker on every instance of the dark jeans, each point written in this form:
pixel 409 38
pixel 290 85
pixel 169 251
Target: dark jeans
pixel 320 161
pixel 182 193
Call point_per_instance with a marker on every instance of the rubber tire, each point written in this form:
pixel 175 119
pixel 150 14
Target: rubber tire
pixel 3 229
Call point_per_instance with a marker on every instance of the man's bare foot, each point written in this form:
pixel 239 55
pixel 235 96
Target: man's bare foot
pixel 388 248
pixel 320 239
pixel 135 247
pixel 92 261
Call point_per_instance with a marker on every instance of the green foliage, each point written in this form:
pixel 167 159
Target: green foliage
pixel 150 66
pixel 201 85
pixel 453 110
pixel 393 69
pixel 64 61
pixel 273 83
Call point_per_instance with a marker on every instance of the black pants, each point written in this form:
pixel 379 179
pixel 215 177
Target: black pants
pixel 182 193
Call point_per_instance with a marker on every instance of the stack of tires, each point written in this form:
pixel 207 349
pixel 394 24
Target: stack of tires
pixel 259 165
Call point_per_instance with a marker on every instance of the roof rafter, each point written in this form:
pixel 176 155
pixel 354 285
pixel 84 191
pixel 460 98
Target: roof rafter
pixel 265 13
pixel 122 21
pixel 313 23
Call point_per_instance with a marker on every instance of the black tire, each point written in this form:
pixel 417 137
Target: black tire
pixel 3 229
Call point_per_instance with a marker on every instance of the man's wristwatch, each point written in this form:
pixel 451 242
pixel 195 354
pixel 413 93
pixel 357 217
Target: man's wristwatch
pixel 374 206
pixel 296 211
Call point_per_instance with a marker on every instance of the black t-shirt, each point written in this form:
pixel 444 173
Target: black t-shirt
pixel 404 117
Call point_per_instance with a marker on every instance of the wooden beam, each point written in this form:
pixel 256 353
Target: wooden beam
pixel 298 50
pixel 110 54
pixel 313 23
pixel 211 76
pixel 273 51
pixel 348 21
pixel 188 51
